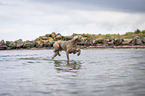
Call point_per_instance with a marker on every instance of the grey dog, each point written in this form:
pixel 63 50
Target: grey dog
pixel 67 46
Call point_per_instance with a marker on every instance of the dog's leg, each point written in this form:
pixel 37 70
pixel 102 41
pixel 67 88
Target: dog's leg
pixel 77 50
pixel 58 53
pixel 56 50
pixel 54 55
pixel 67 54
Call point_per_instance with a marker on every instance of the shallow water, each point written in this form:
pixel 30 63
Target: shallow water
pixel 96 72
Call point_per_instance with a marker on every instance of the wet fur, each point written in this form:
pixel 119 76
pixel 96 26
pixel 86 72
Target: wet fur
pixel 67 46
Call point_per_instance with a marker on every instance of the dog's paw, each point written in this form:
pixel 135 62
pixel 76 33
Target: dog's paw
pixel 78 54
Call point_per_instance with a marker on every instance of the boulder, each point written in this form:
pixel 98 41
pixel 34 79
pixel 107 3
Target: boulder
pixel 48 35
pixel 126 41
pixel 3 47
pixel 67 38
pixel 143 39
pixel 51 39
pixel 136 41
pixel 112 38
pixel 85 39
pixel 27 45
pixel 99 41
pixel 53 34
pixel 110 43
pixel 88 42
pixel 44 41
pixel 19 43
pixel 12 45
pixel 49 45
pixel 44 38
pixel 58 37
pixel 2 42
pixel 40 45
pixel 8 43
pixel 118 41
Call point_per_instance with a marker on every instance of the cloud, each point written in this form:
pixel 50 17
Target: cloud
pixel 113 5
pixel 28 19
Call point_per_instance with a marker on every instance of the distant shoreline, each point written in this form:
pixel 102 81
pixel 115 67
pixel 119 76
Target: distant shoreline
pixel 85 47
pixel 117 47
pixel 88 41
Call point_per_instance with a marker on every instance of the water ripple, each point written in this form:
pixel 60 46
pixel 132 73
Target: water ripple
pixel 105 72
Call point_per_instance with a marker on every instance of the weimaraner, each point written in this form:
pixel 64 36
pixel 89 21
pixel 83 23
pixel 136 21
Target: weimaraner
pixel 67 46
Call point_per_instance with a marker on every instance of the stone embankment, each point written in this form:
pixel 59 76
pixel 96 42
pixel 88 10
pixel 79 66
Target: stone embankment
pixel 48 40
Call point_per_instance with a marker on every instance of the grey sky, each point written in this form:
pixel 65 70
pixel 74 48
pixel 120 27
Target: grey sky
pixel 29 19
pixel 114 5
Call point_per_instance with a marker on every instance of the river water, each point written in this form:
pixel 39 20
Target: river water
pixel 96 72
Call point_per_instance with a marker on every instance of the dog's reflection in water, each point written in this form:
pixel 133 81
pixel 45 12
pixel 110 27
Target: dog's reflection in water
pixel 72 66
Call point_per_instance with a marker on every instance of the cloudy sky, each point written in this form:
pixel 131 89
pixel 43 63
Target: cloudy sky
pixel 29 19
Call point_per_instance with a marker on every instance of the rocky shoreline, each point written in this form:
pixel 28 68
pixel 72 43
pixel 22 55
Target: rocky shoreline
pixel 47 41
pixel 84 47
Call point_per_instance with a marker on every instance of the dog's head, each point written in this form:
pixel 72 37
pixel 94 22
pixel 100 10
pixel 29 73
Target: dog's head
pixel 79 38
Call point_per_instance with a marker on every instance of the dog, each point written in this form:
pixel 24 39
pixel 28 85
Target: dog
pixel 67 46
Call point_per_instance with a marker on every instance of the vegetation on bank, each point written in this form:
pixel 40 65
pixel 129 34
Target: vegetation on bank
pixel 127 35
pixel 57 36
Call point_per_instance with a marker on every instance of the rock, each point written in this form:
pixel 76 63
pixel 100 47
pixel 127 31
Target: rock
pixel 53 34
pixel 12 45
pixel 8 43
pixel 110 43
pixel 58 37
pixel 49 45
pixel 51 39
pixel 44 41
pixel 112 38
pixel 99 40
pixel 44 38
pixel 88 44
pixel 85 39
pixel 136 41
pixel 2 42
pixel 48 35
pixel 27 45
pixel 3 47
pixel 19 43
pixel 67 38
pixel 118 41
pixel 143 39
pixel 126 41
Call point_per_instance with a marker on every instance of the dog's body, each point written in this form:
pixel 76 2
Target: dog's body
pixel 67 46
